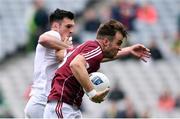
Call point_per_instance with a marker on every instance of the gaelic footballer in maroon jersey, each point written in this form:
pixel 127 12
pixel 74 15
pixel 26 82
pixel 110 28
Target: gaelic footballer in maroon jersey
pixel 67 91
pixel 65 86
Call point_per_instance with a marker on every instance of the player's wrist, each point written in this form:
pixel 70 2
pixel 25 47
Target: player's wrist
pixel 92 93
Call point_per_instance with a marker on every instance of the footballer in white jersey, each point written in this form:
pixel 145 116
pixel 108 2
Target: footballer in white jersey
pixel 46 61
pixel 45 64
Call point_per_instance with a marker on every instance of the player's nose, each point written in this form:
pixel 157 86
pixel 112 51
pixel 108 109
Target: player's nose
pixel 72 30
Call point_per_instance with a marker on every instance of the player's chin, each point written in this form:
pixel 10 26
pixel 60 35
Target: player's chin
pixel 112 56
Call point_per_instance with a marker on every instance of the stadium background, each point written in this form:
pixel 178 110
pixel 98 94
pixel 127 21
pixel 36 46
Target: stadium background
pixel 145 89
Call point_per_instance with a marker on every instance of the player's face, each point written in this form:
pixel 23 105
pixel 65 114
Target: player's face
pixel 66 27
pixel 114 46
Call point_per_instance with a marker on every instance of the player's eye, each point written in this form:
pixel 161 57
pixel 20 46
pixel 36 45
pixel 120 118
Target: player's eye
pixel 119 43
pixel 69 26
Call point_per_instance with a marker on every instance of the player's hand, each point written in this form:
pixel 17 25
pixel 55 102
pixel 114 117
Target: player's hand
pixel 99 97
pixel 140 51
pixel 60 55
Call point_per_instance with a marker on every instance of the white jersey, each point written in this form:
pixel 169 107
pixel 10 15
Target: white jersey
pixel 45 65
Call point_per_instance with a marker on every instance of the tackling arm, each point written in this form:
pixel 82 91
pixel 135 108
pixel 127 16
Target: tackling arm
pixel 49 41
pixel 60 55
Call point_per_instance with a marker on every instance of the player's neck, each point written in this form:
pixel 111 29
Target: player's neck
pixel 55 29
pixel 100 43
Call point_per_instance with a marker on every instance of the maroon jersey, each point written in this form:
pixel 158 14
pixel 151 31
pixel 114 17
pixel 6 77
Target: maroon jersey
pixel 65 87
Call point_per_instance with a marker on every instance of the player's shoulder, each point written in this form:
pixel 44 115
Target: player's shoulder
pixel 91 46
pixel 92 51
pixel 91 43
pixel 88 45
pixel 53 33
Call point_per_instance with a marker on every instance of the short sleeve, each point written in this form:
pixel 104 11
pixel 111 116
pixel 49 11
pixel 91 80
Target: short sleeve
pixel 92 54
pixel 54 33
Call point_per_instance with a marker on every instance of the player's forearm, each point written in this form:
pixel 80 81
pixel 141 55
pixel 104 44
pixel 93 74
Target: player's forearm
pixel 82 77
pixel 123 52
pixel 60 55
pixel 52 43
pixel 79 71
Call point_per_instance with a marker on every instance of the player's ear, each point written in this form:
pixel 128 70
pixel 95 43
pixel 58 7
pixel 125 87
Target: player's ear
pixel 106 42
pixel 55 25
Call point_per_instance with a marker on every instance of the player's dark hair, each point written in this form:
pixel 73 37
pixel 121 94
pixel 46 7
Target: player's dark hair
pixel 59 15
pixel 110 28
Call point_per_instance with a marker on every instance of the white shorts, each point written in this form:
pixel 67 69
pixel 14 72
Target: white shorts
pixel 57 109
pixel 34 109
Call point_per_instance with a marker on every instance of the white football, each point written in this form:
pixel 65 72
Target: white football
pixel 100 81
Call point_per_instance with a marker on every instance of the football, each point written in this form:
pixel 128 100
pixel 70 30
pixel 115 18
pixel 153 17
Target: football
pixel 100 81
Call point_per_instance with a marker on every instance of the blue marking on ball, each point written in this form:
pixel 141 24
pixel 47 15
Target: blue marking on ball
pixel 97 80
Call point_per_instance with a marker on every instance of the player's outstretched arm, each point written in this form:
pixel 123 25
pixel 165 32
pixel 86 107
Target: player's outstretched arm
pixel 52 42
pixel 137 50
pixel 140 51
